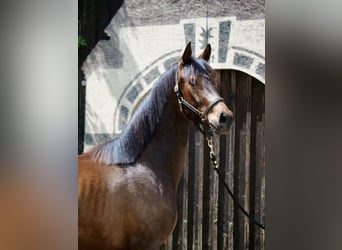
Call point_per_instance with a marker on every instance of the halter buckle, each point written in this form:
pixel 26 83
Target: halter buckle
pixel 180 102
pixel 176 88
pixel 203 116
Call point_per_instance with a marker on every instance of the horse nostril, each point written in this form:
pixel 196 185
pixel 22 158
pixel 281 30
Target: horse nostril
pixel 225 118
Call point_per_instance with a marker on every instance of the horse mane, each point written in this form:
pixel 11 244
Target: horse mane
pixel 127 147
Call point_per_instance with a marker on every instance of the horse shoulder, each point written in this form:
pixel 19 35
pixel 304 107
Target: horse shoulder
pixel 151 208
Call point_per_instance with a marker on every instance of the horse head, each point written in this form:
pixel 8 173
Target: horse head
pixel 197 95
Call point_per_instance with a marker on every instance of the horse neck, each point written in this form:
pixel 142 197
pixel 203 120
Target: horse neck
pixel 167 149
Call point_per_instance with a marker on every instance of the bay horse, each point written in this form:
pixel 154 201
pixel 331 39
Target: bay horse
pixel 127 186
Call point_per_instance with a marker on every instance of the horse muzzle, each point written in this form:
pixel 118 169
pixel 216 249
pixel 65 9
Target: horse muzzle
pixel 220 119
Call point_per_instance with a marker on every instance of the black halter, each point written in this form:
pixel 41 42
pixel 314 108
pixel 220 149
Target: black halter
pixel 203 115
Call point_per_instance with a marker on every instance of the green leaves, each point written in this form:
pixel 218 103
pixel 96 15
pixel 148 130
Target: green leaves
pixel 81 41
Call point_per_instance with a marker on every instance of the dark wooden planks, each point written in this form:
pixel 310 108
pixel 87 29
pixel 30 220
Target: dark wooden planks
pixel 191 187
pixel 225 208
pixel 242 158
pixel 257 180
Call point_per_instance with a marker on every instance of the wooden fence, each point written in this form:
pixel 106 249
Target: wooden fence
pixel 208 218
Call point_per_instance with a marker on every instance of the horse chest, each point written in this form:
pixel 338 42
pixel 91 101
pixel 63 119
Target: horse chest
pixel 145 201
pixel 147 194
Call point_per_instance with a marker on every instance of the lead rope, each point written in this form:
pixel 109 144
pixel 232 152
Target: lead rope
pixel 213 159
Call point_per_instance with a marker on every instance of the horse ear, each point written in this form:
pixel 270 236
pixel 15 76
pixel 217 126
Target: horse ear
pixel 206 53
pixel 187 54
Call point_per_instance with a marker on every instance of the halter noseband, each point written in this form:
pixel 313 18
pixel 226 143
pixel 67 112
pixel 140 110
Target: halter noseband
pixel 203 115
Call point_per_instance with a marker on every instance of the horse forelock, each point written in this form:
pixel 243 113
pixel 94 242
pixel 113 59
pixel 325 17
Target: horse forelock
pixel 127 147
pixel 201 66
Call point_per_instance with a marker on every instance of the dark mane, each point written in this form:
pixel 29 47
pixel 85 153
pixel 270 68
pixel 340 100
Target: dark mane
pixel 201 66
pixel 128 146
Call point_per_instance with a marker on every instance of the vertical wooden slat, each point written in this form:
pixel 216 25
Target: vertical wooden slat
pixel 247 143
pixel 213 197
pixel 242 158
pixel 185 204
pixel 191 188
pixel 222 213
pixel 257 161
pixel 221 198
pixel 237 222
pixel 214 190
pixel 253 159
pixel 199 194
pixel 231 161
pixel 206 198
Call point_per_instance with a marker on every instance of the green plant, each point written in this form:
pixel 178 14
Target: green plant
pixel 81 41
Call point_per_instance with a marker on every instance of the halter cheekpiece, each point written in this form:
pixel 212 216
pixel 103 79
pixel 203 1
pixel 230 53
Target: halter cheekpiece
pixel 203 115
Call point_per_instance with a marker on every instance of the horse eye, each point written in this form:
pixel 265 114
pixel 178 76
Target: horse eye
pixel 192 81
pixel 206 77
